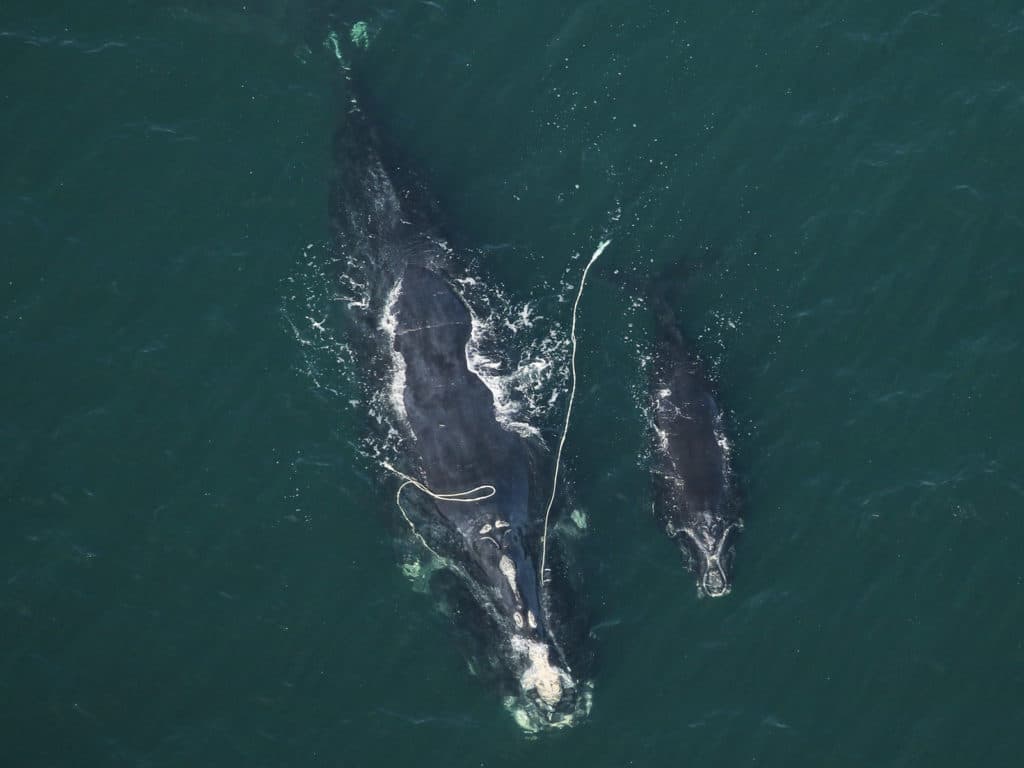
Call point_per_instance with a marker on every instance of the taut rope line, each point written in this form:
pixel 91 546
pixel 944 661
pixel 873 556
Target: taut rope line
pixel 568 410
pixel 486 491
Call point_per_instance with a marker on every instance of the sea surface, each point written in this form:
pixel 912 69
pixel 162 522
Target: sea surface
pixel 197 561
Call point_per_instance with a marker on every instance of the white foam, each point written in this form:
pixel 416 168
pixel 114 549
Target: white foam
pixel 389 324
pixel 521 321
pixel 524 371
pixel 662 436
pixel 306 306
pixel 506 408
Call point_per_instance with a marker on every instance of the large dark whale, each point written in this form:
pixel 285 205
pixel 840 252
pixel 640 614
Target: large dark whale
pixel 696 497
pixel 452 440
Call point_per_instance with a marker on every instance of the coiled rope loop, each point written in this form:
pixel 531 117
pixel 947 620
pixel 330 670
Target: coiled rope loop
pixel 486 491
pixel 473 495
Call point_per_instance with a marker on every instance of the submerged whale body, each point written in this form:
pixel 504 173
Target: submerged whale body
pixel 452 440
pixel 696 498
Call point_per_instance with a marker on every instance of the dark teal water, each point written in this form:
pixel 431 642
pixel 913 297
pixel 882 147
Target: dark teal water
pixel 196 568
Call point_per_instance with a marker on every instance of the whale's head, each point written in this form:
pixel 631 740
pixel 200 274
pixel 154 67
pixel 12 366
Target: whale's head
pixel 544 692
pixel 550 696
pixel 710 546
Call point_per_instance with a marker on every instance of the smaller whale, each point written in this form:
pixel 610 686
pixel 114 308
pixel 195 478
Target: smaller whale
pixel 695 493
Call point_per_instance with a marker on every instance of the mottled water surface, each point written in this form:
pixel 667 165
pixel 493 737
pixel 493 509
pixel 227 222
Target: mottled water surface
pixel 197 567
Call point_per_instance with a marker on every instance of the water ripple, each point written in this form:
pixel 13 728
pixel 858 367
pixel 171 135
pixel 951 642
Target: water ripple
pixel 52 41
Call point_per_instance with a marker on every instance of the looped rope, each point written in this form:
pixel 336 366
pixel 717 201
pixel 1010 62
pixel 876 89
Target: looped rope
pixel 463 497
pixel 486 491
pixel 480 493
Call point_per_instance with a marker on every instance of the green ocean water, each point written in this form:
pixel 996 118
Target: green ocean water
pixel 196 568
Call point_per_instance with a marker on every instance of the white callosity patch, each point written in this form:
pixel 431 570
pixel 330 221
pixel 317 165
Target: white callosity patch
pixel 711 546
pixel 712 578
pixel 540 676
pixel 486 531
pixel 508 570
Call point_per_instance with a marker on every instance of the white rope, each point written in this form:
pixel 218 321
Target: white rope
pixel 480 493
pixel 486 491
pixel 568 410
